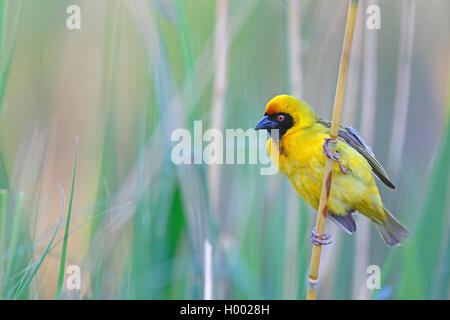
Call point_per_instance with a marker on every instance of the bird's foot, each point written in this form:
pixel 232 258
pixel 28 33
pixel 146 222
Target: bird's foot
pixel 333 156
pixel 320 239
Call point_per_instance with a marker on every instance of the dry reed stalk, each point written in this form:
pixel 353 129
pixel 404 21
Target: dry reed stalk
pixel 290 281
pixel 403 86
pixel 362 240
pixel 296 74
pixel 354 70
pixel 207 265
pixel 351 101
pixel 221 47
pixel 327 177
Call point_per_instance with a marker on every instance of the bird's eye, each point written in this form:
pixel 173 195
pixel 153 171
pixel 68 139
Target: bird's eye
pixel 280 118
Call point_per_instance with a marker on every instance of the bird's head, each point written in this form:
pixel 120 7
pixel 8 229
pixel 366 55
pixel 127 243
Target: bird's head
pixel 286 113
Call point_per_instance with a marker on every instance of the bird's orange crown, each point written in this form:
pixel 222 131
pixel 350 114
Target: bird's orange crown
pixel 300 111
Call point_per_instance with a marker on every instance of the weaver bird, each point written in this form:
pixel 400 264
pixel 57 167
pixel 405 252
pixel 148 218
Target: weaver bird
pixel 302 146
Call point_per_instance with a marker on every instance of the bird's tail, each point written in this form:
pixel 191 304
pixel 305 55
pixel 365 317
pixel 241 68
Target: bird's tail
pixel 392 231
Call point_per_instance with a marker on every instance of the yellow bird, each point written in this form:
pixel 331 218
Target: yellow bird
pixel 302 146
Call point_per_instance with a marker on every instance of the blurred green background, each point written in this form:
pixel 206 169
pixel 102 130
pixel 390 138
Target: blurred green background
pixel 144 228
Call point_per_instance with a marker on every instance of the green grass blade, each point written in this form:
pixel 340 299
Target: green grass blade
pixel 3 216
pixel 421 279
pixel 3 10
pixel 62 264
pixel 108 171
pixel 186 49
pixel 14 233
pixel 4 180
pixel 28 276
pixel 6 67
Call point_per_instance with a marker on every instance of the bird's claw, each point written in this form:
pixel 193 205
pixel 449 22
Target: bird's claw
pixel 333 156
pixel 320 239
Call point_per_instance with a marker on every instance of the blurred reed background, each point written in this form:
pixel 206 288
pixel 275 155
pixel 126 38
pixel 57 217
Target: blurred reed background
pixel 142 227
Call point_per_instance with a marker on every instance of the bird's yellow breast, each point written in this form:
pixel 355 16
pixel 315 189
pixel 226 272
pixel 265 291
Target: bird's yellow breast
pixel 301 159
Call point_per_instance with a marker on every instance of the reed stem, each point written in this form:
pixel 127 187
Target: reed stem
pixel 291 265
pixel 221 48
pixel 62 264
pixel 405 54
pixel 367 125
pixel 327 177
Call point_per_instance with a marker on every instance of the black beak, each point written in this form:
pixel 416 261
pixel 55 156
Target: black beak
pixel 266 123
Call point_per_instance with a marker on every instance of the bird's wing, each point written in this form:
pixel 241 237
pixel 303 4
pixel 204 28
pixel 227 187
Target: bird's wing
pixel 353 139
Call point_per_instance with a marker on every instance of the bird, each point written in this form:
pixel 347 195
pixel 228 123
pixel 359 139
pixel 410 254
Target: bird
pixel 300 148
